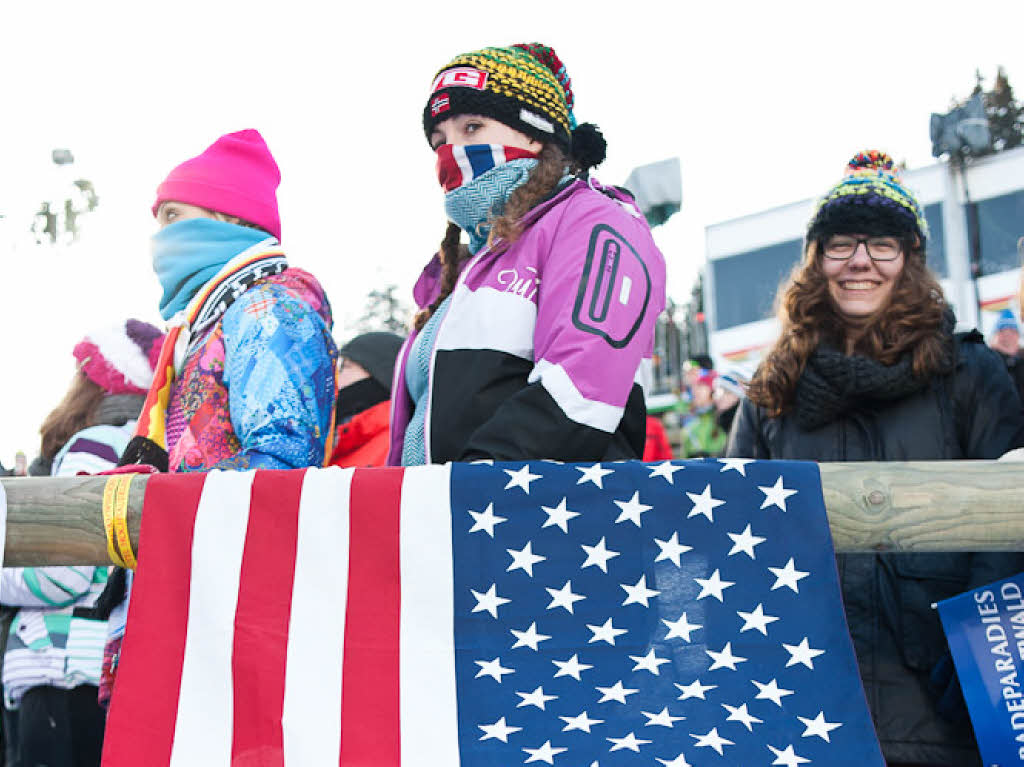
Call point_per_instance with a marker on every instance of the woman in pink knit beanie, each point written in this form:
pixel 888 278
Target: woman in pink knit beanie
pixel 248 368
pixel 245 378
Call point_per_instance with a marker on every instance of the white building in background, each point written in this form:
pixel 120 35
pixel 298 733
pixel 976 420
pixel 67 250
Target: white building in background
pixel 749 257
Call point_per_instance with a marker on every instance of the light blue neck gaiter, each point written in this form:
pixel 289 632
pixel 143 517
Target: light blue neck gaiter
pixel 472 205
pixel 187 254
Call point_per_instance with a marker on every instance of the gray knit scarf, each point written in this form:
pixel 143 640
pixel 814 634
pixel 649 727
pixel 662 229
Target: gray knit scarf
pixel 833 383
pixel 119 409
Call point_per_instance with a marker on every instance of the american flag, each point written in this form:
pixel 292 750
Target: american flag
pixel 682 613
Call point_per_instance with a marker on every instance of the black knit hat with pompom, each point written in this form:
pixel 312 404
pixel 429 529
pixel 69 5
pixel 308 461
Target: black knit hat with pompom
pixel 524 86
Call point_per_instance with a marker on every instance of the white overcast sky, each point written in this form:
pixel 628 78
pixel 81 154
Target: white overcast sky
pixel 763 102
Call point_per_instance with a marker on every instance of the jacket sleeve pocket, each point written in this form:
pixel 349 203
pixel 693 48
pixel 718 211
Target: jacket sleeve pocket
pixel 921 580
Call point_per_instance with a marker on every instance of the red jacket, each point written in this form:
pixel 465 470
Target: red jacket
pixel 363 440
pixel 656 447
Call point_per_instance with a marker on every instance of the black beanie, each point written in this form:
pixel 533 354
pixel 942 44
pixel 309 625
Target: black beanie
pixel 377 353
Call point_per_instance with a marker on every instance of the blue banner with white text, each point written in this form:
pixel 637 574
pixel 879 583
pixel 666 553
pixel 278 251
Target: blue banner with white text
pixel 985 631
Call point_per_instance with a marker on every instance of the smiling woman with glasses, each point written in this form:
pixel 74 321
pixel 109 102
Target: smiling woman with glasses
pixel 867 368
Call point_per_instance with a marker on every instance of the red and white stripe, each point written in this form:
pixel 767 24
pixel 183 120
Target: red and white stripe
pixel 459 155
pixel 278 628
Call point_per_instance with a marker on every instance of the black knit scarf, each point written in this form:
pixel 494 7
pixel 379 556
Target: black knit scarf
pixel 359 396
pixel 833 383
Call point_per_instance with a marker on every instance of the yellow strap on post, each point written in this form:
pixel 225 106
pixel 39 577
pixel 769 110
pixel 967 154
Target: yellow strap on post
pixel 124 541
pixel 109 498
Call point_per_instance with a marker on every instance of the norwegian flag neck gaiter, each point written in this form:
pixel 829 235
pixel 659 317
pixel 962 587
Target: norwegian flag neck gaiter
pixel 457 165
pixel 478 180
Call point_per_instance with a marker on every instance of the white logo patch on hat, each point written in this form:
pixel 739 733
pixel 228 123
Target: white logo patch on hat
pixel 536 121
pixel 460 77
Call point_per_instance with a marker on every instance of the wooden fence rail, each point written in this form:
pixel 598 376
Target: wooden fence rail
pixel 939 506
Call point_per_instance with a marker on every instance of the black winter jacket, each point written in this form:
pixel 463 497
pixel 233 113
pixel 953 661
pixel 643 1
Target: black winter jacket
pixel 974 412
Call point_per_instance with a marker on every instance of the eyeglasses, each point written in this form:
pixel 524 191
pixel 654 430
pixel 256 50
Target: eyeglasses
pixel 879 248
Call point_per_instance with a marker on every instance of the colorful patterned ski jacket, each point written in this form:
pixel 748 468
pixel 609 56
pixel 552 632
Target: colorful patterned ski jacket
pixel 546 342
pixel 257 391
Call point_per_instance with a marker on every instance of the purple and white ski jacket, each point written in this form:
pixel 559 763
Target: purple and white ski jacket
pixel 546 344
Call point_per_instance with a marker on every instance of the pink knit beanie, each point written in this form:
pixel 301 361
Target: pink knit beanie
pixel 236 175
pixel 120 360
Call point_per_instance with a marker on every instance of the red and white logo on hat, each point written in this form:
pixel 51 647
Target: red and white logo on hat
pixel 440 104
pixel 460 77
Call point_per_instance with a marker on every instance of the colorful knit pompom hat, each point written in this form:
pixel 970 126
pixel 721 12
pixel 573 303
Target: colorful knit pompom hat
pixel 525 86
pixel 871 199
pixel 120 359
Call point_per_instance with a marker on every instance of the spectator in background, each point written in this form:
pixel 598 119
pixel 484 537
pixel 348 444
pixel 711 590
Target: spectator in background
pixel 1006 340
pixel 693 369
pixel 1020 305
pixel 52 661
pixel 702 437
pixel 656 447
pixel 691 372
pixel 1017 454
pixel 85 434
pixel 366 365
pixel 20 465
pixel 729 389
pixel 867 368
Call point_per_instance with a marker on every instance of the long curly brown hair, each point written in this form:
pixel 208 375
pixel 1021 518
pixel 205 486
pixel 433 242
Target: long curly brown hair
pixel 75 412
pixel 911 322
pixel 541 182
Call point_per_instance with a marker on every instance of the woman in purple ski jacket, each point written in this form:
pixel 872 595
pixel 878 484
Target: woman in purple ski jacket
pixel 534 340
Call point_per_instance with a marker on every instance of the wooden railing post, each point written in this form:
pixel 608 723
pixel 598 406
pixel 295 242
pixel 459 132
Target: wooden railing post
pixel 59 520
pixel 925 505
pixel 900 507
